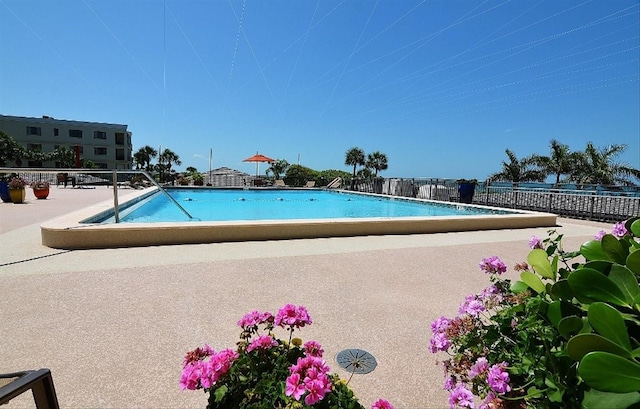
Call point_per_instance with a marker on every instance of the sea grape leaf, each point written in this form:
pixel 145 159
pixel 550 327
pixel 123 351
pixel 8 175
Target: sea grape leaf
pixel 633 261
pixel 519 287
pixel 582 344
pixel 610 373
pixel 626 282
pixel 603 266
pixel 608 322
pixel 593 284
pixel 539 260
pixel 562 289
pixel 570 326
pixel 635 228
pixel 595 399
pixel 614 249
pixel 592 250
pixel 533 281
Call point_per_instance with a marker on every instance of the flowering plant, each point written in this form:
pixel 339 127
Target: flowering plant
pixel 266 372
pixel 563 336
pixel 39 185
pixel 17 182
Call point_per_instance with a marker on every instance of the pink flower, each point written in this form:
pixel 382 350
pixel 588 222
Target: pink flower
pixel 460 396
pixel 217 366
pixel 473 308
pixel 312 348
pixel 294 387
pixel 493 265
pixel 479 367
pixel 439 342
pixel 255 318
pixel 440 324
pixel 262 342
pixel 491 401
pixel 292 316
pixel 382 404
pixel 619 230
pixel 498 378
pixel 535 242
pixel 449 383
pixel 190 378
pixel 599 235
pixel 317 389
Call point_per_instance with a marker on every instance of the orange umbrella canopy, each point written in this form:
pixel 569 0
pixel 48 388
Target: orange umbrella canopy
pixel 258 157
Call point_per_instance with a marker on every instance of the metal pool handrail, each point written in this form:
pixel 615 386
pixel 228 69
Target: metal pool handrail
pixel 113 172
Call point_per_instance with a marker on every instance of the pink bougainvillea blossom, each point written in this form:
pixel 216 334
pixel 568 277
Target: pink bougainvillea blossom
pixel 262 342
pixel 498 378
pixel 619 230
pixel 480 367
pixel 292 316
pixel 460 396
pixel 382 404
pixel 493 265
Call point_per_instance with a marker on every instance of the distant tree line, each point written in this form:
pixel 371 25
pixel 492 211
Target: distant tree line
pixel 593 166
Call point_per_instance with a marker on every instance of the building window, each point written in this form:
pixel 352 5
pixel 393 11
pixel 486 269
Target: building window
pixel 35 163
pixel 102 165
pixel 99 151
pixel 34 147
pixel 55 132
pixel 119 138
pixel 119 154
pixel 75 133
pixel 99 135
pixel 34 130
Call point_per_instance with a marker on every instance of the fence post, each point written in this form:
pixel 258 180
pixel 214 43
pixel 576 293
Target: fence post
pixel 591 204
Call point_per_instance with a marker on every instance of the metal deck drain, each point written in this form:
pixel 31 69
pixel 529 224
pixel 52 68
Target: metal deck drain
pixel 356 361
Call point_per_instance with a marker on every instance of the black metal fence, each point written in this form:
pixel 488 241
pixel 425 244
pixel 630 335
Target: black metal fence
pixel 598 203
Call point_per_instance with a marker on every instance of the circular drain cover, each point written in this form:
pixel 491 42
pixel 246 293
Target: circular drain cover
pixel 356 361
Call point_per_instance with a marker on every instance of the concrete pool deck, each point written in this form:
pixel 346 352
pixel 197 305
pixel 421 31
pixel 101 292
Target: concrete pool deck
pixel 113 324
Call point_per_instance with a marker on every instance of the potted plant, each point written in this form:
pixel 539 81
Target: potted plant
pixel 40 189
pixel 4 188
pixel 466 189
pixel 198 179
pixel 16 189
pixel 264 372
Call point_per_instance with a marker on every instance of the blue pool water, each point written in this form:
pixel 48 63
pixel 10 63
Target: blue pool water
pixel 282 204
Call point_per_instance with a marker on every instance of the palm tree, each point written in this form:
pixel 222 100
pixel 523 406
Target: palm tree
pixel 355 157
pixel 518 170
pixel 143 157
pixel 278 168
pixel 561 161
pixel 167 158
pixel 377 161
pixel 597 166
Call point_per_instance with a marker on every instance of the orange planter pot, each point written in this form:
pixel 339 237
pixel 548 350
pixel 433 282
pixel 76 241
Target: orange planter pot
pixel 41 193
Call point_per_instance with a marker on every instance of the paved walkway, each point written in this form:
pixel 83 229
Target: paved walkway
pixel 113 325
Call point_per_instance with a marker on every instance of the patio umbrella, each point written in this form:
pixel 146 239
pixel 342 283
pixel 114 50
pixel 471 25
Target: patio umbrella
pixel 257 158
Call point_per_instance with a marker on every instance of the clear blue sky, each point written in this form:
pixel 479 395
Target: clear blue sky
pixel 442 87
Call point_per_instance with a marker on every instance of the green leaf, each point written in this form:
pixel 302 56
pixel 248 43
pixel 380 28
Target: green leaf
pixel 562 289
pixel 582 344
pixel 633 262
pixel 570 326
pixel 608 322
pixel 532 281
pixel 540 262
pixel 519 287
pixel 592 250
pixel 635 228
pixel 593 284
pixel 602 266
pixel 614 249
pixel 610 373
pixel 594 399
pixel 626 282
pixel 220 392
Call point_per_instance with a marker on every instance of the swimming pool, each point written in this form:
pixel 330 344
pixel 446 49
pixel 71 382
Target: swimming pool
pixel 90 227
pixel 234 204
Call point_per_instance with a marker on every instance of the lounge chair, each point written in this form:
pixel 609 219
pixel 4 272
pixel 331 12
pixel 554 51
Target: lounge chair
pixel 279 183
pixel 40 383
pixel 311 183
pixel 335 183
pixel 65 178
